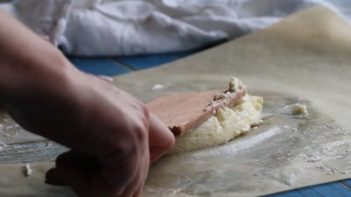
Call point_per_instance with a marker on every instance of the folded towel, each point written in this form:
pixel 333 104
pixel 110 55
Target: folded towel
pixel 128 27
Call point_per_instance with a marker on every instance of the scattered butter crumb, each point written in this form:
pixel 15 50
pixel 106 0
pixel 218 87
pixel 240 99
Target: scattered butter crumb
pixel 157 87
pixel 234 85
pixel 296 109
pixel 27 170
pixel 299 109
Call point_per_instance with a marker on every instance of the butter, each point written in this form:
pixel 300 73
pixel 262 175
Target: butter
pixel 234 85
pixel 226 124
pixel 296 109
pixel 299 109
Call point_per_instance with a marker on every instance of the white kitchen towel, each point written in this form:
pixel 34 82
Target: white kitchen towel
pixel 128 27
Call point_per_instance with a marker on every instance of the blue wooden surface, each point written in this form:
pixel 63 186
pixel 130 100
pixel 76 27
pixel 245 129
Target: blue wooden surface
pixel 122 65
pixel 138 62
pixel 100 66
pixel 334 189
pixel 347 183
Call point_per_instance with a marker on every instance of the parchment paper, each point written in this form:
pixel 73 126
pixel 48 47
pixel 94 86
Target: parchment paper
pixel 306 55
pixel 284 152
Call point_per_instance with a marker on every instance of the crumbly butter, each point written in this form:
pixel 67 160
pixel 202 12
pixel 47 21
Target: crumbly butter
pixel 225 125
pixel 296 109
pixel 299 109
pixel 27 170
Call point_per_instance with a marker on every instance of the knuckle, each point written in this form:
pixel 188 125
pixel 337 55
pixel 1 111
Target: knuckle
pixel 140 133
pixel 135 136
pixel 142 127
pixel 128 148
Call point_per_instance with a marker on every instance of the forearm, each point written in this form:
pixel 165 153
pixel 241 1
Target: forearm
pixel 43 92
pixel 25 59
pixel 32 74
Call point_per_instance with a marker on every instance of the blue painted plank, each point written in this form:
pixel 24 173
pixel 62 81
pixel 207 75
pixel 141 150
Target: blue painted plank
pixel 332 189
pixel 347 183
pixel 308 192
pixel 147 61
pixel 99 66
pixel 292 193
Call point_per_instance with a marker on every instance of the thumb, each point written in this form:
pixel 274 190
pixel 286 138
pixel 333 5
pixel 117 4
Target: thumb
pixel 161 139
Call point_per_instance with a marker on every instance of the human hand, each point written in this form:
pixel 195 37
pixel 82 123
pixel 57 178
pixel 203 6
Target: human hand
pixel 112 135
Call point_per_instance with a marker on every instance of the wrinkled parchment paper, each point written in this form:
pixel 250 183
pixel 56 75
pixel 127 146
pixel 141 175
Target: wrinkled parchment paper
pixel 285 152
pixel 306 58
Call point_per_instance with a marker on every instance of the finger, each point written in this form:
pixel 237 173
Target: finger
pixel 132 187
pixel 72 158
pixel 144 174
pixel 65 159
pixel 161 139
pixel 72 177
pixel 52 178
pixel 120 174
pixel 135 188
pixel 139 191
pixel 140 188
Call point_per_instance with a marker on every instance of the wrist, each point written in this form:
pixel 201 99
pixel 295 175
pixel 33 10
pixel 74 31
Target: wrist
pixel 35 80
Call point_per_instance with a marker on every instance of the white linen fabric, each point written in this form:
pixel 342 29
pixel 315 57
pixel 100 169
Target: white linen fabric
pixel 128 27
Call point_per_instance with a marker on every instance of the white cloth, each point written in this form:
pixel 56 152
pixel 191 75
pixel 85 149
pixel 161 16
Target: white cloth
pixel 126 27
